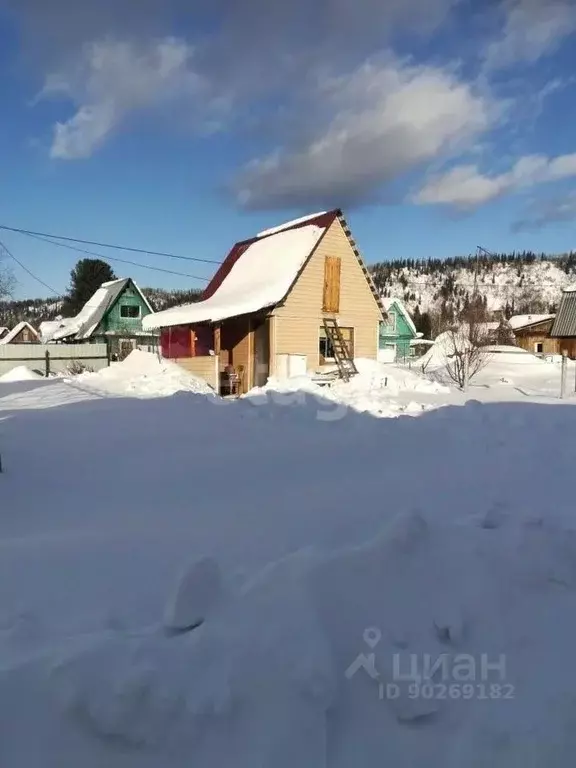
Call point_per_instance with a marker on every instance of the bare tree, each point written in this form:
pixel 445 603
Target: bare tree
pixel 466 348
pixel 6 282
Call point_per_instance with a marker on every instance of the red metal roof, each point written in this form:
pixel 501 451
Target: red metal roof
pixel 324 220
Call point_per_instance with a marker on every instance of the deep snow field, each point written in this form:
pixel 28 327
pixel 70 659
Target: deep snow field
pixel 388 522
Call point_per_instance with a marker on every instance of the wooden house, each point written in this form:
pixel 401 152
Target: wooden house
pixel 533 333
pixel 396 332
pixel 564 327
pixel 23 333
pixel 263 312
pixel 113 315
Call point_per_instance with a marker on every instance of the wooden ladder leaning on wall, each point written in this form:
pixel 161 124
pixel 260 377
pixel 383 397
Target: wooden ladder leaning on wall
pixel 344 361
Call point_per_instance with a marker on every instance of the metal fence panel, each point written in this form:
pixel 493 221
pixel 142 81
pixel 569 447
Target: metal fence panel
pixel 60 356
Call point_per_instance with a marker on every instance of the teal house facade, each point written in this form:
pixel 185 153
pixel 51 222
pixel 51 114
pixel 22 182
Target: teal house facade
pixel 396 332
pixel 113 316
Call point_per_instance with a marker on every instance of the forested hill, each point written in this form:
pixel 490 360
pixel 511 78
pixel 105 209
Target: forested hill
pixel 35 311
pixel 517 283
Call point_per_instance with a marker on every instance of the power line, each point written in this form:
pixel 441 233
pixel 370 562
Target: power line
pixel 107 245
pixel 25 268
pixel 44 238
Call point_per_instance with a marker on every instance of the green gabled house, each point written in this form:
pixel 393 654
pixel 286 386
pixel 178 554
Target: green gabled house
pixel 113 315
pixel 396 332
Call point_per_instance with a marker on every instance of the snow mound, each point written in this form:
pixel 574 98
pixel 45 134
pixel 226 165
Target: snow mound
pixel 373 374
pixel 20 373
pixel 301 666
pixel 143 374
pixel 372 391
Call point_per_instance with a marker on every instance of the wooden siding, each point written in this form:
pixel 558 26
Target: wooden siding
pixel 568 346
pixel 298 320
pixel 236 349
pixel 528 342
pixel 125 326
pixel 25 336
pixel 204 367
pixel 538 333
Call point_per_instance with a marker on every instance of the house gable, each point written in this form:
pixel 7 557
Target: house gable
pixel 543 327
pixel 398 325
pixel 298 319
pixel 323 220
pixel 125 313
pixel 23 333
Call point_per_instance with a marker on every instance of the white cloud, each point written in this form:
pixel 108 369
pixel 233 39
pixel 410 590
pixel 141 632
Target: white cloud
pixel 466 187
pixel 533 28
pixel 542 213
pixel 386 120
pixel 111 80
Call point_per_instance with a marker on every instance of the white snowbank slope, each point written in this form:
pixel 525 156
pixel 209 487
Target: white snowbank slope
pixel 300 544
pixel 143 374
pixel 20 373
pixel 374 390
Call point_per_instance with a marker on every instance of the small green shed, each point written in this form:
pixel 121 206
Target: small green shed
pixel 113 315
pixel 396 332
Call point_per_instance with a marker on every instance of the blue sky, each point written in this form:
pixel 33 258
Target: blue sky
pixel 182 126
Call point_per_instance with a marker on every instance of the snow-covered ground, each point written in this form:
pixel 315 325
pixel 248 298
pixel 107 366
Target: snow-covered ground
pixel 505 372
pixel 319 558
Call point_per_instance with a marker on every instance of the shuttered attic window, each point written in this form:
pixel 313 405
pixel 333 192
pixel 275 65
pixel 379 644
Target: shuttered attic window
pixel 331 297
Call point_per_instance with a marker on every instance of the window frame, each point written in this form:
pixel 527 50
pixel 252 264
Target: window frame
pixel 391 329
pixel 131 306
pixel 347 333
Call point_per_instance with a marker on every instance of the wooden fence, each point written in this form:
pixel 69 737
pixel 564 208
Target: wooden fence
pixel 53 358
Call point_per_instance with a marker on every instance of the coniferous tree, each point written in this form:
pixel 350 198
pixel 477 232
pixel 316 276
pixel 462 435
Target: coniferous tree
pixel 85 279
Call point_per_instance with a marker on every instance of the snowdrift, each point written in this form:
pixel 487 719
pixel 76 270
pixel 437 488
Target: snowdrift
pixel 143 374
pixel 372 391
pixel 20 373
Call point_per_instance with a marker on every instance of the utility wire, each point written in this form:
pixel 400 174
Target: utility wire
pixel 5 250
pixel 106 245
pixel 44 239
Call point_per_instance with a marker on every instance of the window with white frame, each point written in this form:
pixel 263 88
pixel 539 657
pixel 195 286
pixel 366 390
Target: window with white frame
pixel 131 311
pixel 389 326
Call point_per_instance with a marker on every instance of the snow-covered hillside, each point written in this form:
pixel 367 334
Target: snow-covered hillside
pixel 519 284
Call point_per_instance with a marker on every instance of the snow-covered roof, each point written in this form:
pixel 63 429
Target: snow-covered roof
pixel 260 277
pixel 48 328
pixel 520 321
pixel 290 224
pixel 88 319
pixel 258 273
pixel 387 304
pixel 11 335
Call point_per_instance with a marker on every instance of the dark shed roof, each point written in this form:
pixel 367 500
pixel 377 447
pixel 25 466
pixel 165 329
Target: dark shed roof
pixel 565 322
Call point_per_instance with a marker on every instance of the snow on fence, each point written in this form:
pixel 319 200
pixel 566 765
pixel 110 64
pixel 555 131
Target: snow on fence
pixel 53 358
